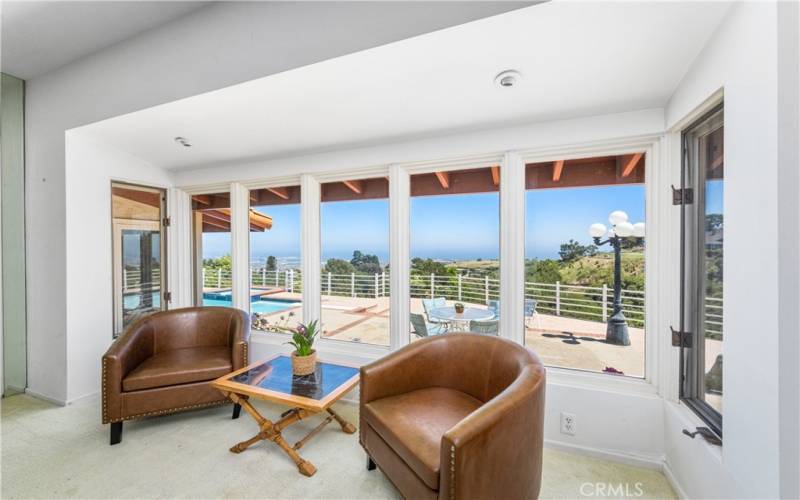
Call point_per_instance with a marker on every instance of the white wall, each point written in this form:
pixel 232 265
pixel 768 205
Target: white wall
pixel 90 168
pixel 220 45
pixel 741 58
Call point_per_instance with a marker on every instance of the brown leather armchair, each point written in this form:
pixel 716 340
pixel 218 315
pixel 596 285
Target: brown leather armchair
pixel 456 416
pixel 163 363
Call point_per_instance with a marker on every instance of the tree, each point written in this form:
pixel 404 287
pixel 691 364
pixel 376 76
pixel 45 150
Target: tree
pixel 543 271
pixel 272 263
pixel 367 264
pixel 338 266
pixel 573 251
pixel 430 266
pixel 223 262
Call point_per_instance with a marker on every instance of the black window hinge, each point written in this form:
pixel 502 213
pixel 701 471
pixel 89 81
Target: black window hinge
pixel 168 296
pixel 683 196
pixel 681 339
pixel 166 221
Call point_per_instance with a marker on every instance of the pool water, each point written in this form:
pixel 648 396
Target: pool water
pixel 223 299
pixel 256 306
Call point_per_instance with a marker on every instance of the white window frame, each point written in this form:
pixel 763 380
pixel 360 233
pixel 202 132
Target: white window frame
pixel 660 304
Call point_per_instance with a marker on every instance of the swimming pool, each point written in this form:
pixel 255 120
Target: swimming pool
pixel 223 299
pixel 257 305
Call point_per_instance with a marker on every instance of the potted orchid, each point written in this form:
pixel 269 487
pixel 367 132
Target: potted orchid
pixel 304 357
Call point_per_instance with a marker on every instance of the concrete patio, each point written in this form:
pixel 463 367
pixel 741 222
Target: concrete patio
pixel 560 341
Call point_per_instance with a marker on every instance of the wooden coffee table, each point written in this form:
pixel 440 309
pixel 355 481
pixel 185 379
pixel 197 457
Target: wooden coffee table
pixel 272 380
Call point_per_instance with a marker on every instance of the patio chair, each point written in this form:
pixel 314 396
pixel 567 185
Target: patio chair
pixel 531 314
pixel 429 304
pixel 494 306
pixel 424 329
pixel 488 327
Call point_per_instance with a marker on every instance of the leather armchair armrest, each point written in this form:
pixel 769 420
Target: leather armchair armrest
pixel 410 368
pixel 489 448
pixel 238 336
pixel 130 350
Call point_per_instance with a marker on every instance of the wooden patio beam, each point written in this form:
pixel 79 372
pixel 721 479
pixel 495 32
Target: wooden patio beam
pixel 355 186
pixel 495 175
pixel 558 167
pixel 444 179
pixel 279 192
pixel 203 199
pixel 628 168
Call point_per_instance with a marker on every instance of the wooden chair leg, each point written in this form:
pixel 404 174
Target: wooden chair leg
pixel 116 432
pixel 237 409
pixel 370 464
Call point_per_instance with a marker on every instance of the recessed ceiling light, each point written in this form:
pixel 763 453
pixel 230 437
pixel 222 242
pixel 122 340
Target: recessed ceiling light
pixel 183 142
pixel 508 78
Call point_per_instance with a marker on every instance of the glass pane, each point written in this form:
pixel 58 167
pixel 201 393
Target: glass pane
pixel 354 223
pixel 212 249
pixel 455 248
pixel 137 253
pixel 276 284
pixel 578 312
pixel 141 251
pixel 711 150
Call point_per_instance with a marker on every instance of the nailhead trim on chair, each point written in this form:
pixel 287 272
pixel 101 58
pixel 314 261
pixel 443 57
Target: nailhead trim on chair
pixel 172 410
pixel 105 408
pixel 452 471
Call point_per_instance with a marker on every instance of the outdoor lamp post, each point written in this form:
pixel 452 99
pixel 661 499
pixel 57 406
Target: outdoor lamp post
pixel 617 330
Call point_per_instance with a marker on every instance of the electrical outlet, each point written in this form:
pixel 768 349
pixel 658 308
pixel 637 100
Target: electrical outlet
pixel 568 423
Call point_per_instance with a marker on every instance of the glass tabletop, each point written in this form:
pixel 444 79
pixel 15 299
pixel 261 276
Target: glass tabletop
pixel 276 375
pixel 449 313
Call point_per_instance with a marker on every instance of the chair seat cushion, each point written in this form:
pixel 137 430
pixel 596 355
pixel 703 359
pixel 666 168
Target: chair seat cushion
pixel 179 366
pixel 413 425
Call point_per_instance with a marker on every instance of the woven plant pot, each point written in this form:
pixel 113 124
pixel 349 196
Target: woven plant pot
pixel 304 365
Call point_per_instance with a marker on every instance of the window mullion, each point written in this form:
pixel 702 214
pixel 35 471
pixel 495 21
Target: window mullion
pixel 240 246
pixel 310 251
pixel 512 247
pixel 399 255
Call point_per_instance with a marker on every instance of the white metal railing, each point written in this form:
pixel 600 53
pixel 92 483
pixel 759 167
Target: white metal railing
pixel 585 302
pixel 713 318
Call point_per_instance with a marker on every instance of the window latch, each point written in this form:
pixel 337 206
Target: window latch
pixel 681 339
pixel 706 434
pixel 683 196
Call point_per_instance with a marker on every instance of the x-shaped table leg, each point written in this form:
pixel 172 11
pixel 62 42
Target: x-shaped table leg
pixel 269 431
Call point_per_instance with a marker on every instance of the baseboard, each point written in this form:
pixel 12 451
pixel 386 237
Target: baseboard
pixel 673 481
pixel 655 463
pixel 81 398
pixel 44 397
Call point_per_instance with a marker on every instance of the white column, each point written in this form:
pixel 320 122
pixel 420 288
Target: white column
pixel 399 255
pixel 240 246
pixel 512 248
pixel 180 272
pixel 310 265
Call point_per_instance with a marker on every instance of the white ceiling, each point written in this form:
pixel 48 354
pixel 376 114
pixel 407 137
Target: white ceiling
pixel 577 59
pixel 38 37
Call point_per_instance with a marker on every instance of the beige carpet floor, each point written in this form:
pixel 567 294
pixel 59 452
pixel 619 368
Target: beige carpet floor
pixel 63 452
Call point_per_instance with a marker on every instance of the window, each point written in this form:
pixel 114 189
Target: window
pixel 276 285
pixel 138 250
pixel 354 227
pixel 702 235
pixel 455 247
pixel 212 249
pixel 579 313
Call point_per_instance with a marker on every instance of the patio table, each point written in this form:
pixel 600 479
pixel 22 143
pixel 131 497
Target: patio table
pixel 460 321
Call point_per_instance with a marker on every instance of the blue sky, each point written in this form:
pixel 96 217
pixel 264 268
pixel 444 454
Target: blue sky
pixel 444 227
